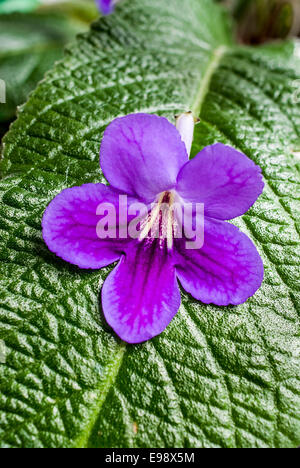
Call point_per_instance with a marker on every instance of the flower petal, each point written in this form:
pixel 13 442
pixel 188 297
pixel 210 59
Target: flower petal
pixel 141 296
pixel 70 222
pixel 142 154
pixel 105 6
pixel 222 178
pixel 226 270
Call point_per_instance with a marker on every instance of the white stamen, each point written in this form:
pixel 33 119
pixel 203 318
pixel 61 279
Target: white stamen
pixel 185 124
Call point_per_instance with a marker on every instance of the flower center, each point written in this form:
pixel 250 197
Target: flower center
pixel 161 223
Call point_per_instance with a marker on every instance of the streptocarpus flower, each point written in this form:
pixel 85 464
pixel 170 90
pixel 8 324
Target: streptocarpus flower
pixel 144 157
pixel 106 6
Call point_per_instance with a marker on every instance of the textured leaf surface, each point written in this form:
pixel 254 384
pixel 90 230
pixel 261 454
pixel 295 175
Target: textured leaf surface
pixel 216 377
pixel 30 44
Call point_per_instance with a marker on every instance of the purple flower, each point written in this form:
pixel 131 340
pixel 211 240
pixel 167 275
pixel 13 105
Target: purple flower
pixel 143 156
pixel 106 6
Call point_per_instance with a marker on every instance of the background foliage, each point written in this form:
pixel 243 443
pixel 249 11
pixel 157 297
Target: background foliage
pixel 217 377
pixel 32 41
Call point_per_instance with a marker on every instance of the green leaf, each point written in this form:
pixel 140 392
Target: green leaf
pixel 217 377
pixel 262 20
pixel 31 43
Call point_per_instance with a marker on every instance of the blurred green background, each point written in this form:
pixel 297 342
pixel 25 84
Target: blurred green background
pixel 33 34
pixel 259 21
